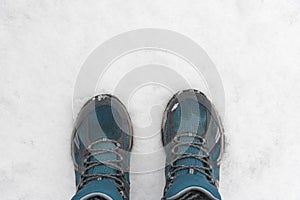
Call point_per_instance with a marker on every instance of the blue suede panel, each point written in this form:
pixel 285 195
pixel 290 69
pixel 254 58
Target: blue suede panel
pixel 104 122
pixel 189 116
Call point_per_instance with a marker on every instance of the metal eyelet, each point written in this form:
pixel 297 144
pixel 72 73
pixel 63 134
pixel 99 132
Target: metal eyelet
pixel 191 171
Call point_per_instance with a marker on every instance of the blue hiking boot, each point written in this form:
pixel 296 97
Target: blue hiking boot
pixel 101 142
pixel 193 138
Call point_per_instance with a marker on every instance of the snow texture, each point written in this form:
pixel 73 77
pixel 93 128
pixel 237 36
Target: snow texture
pixel 254 44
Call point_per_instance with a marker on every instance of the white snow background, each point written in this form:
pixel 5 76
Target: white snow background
pixel 255 46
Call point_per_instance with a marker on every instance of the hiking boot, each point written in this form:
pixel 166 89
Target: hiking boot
pixel 101 142
pixel 192 135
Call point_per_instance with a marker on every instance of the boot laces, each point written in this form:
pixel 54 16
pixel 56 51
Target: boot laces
pixel 196 143
pixel 114 164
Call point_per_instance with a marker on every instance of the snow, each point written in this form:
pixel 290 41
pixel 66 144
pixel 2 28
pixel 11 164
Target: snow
pixel 255 46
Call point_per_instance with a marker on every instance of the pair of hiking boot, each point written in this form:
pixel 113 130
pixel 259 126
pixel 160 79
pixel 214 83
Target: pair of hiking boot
pixel 192 136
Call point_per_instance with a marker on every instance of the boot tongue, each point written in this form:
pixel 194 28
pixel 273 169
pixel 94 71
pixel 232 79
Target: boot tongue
pixel 105 156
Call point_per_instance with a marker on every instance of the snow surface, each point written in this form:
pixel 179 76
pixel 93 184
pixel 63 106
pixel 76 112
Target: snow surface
pixel 254 44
